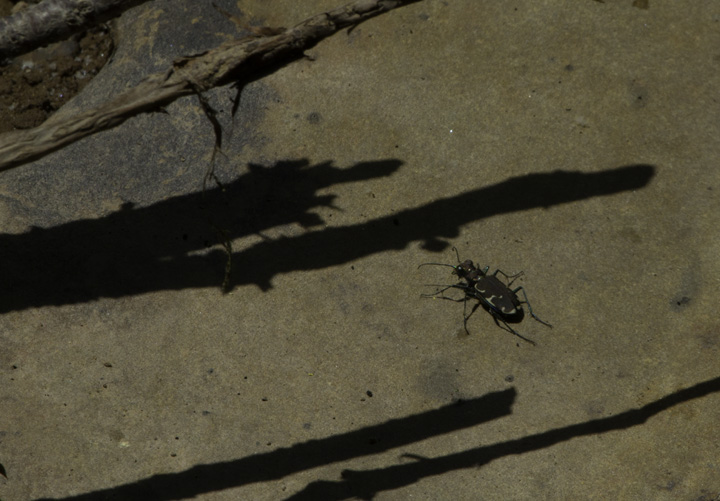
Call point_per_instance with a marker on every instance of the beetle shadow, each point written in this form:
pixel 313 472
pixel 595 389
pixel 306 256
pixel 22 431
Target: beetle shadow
pixel 172 245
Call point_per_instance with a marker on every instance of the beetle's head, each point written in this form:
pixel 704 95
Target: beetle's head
pixel 466 269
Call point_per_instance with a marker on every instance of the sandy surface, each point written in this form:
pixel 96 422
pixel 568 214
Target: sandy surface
pixel 577 141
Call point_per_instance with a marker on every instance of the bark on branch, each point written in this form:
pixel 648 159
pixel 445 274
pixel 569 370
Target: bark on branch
pixel 219 66
pixel 54 20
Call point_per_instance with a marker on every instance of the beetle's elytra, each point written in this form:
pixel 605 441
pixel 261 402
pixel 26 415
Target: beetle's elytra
pixel 493 294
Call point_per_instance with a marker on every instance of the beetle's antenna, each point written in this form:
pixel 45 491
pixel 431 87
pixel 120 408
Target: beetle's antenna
pixel 438 264
pixel 457 254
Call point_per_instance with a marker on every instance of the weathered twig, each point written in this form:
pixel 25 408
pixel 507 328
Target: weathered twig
pixel 54 20
pixel 188 75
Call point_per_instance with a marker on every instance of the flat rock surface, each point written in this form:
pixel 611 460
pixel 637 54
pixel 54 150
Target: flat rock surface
pixel 577 141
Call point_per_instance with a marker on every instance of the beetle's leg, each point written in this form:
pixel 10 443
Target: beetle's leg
pixel 530 307
pixel 443 297
pixel 440 291
pixel 508 277
pixel 467 317
pixel 435 294
pixel 510 329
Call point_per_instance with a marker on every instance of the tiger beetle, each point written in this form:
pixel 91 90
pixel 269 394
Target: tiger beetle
pixel 496 297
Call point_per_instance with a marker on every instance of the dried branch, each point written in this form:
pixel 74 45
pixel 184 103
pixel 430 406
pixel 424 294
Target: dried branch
pixel 224 64
pixel 54 20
